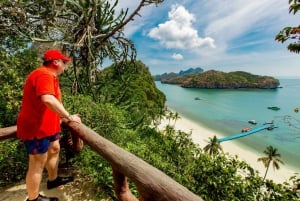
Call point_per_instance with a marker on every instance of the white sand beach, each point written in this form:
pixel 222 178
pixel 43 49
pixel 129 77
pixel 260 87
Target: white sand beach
pixel 201 134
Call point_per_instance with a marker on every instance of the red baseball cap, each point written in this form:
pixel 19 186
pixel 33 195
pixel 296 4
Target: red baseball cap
pixel 55 54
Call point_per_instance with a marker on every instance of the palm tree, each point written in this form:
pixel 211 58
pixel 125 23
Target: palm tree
pixel 169 130
pixel 272 156
pixel 176 117
pixel 169 116
pixel 213 147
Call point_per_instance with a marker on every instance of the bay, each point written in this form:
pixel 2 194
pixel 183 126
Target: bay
pixel 227 111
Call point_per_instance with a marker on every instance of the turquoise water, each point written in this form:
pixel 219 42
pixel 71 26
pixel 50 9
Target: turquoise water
pixel 227 111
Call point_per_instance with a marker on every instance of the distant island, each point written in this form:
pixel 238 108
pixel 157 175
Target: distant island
pixel 212 79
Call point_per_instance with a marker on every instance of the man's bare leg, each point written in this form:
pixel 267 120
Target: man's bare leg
pixel 52 167
pixel 53 159
pixel 34 174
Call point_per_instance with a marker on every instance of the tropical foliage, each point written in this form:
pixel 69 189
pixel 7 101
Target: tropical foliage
pixel 134 90
pixel 291 33
pixel 13 70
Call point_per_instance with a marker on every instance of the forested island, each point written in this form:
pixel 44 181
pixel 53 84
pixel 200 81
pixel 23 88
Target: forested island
pixel 212 79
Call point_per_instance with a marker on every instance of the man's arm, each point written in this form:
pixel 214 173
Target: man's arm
pixel 52 103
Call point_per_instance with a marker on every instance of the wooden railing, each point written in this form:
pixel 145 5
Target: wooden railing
pixel 152 184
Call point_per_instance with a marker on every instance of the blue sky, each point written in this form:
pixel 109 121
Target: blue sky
pixel 224 35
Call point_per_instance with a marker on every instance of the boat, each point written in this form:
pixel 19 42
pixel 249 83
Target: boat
pixel 252 121
pixel 269 122
pixel 246 129
pixel 274 108
pixel 271 127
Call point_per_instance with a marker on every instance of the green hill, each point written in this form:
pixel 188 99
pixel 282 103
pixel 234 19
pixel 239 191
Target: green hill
pixel 220 80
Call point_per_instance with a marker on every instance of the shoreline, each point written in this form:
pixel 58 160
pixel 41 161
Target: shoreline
pixel 200 135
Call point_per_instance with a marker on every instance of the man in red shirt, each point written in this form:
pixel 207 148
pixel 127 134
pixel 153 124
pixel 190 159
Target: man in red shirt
pixel 39 121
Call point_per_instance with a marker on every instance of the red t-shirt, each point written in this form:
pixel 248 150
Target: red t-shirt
pixel 35 119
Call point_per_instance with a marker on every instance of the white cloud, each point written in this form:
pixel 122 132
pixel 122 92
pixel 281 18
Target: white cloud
pixel 242 32
pixel 177 56
pixel 238 18
pixel 178 31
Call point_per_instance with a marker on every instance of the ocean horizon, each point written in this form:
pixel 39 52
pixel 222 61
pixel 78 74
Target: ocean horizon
pixel 227 111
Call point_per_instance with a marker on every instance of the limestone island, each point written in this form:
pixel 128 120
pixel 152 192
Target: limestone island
pixel 212 79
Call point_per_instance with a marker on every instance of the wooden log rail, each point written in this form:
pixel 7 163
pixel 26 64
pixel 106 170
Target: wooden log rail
pixel 152 184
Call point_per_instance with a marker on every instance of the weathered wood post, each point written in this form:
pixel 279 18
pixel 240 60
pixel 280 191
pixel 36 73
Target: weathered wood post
pixel 8 132
pixel 121 187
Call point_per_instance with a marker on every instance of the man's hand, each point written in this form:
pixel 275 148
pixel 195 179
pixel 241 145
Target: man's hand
pixel 74 118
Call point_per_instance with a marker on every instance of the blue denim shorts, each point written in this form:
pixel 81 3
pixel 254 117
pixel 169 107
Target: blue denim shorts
pixel 40 146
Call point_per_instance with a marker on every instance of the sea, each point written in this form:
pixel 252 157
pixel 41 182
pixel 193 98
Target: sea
pixel 227 111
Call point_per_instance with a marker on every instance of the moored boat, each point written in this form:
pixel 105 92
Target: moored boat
pixel 269 122
pixel 274 108
pixel 246 129
pixel 271 127
pixel 252 121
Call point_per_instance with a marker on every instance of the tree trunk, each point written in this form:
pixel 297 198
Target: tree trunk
pixel 266 171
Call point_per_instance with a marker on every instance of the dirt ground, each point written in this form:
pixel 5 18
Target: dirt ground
pixel 78 190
